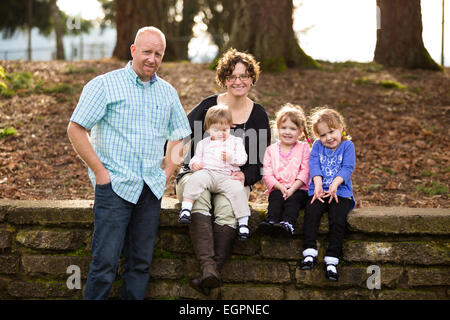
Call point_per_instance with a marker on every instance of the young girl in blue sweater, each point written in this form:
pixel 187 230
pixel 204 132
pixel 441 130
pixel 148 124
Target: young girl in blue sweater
pixel 331 165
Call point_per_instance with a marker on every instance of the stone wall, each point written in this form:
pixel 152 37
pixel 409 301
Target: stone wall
pixel 39 240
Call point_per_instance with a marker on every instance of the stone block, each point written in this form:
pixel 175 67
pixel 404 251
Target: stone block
pixel 41 289
pixel 170 208
pixel 173 242
pixel 408 294
pixel 187 292
pixel 163 290
pixel 5 206
pixel 409 252
pixel 248 292
pixel 400 220
pixel 9 264
pixel 5 237
pixel 167 268
pixel 52 239
pixel 256 271
pixel 276 248
pixel 349 276
pixel 428 276
pixel 54 265
pixel 67 213
pixel 249 247
pixel 4 282
pixel 335 294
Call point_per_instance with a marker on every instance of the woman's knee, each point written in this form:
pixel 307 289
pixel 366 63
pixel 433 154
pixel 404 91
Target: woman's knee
pixel 223 212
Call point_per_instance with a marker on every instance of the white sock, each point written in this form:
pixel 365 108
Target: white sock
pixel 310 252
pixel 186 205
pixel 243 221
pixel 332 262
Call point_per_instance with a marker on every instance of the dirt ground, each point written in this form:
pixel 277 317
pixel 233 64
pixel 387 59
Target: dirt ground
pixel 401 135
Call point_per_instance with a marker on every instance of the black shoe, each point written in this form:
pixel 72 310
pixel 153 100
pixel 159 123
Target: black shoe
pixel 330 275
pixel 243 236
pixel 266 227
pixel 282 229
pixel 184 219
pixel 308 265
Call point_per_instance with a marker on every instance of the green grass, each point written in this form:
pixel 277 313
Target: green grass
pixel 387 84
pixel 6 132
pixel 388 170
pixel 59 88
pixel 368 67
pixel 24 83
pixel 433 188
pixel 363 81
pixel 390 84
pixel 427 173
pixel 13 83
pixel 74 70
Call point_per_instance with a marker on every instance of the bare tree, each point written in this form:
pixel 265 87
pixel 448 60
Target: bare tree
pixel 174 17
pixel 399 40
pixel 59 30
pixel 265 29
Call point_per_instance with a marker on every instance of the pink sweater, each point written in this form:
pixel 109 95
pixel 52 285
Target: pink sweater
pixel 209 153
pixel 286 170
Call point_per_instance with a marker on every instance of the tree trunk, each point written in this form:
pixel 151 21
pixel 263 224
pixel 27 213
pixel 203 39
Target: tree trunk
pixel 399 38
pixel 30 27
pixel 59 30
pixel 134 14
pixel 264 28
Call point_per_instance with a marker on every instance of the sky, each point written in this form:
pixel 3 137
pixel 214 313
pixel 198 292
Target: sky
pixel 327 29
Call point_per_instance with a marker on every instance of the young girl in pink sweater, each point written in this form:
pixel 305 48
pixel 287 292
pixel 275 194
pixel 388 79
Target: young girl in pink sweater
pixel 286 172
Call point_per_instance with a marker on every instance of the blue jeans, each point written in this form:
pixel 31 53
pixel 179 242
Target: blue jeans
pixel 119 224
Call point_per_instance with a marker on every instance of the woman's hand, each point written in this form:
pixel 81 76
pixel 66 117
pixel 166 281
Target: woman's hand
pixel 227 157
pixel 197 166
pixel 238 175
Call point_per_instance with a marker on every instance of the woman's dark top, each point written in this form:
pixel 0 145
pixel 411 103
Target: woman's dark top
pixel 256 134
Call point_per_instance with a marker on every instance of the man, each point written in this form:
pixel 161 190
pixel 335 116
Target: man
pixel 131 112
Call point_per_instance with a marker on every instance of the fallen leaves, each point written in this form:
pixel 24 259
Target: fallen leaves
pixel 401 136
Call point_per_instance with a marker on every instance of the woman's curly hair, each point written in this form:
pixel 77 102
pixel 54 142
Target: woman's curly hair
pixel 229 60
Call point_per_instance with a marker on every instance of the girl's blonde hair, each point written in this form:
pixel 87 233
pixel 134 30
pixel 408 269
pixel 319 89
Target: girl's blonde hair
pixel 331 117
pixel 294 113
pixel 218 114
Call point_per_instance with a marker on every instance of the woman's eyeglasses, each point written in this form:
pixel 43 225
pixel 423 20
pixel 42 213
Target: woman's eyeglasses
pixel 242 77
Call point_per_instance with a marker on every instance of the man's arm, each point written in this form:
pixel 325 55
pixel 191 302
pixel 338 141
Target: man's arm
pixel 80 141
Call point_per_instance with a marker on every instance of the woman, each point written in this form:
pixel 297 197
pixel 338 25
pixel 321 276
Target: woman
pixel 213 233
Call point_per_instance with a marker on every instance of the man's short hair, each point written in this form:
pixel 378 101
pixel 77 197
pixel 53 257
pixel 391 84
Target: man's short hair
pixel 151 29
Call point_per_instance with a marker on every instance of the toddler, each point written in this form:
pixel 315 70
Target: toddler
pixel 216 157
pixel 286 172
pixel 331 165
